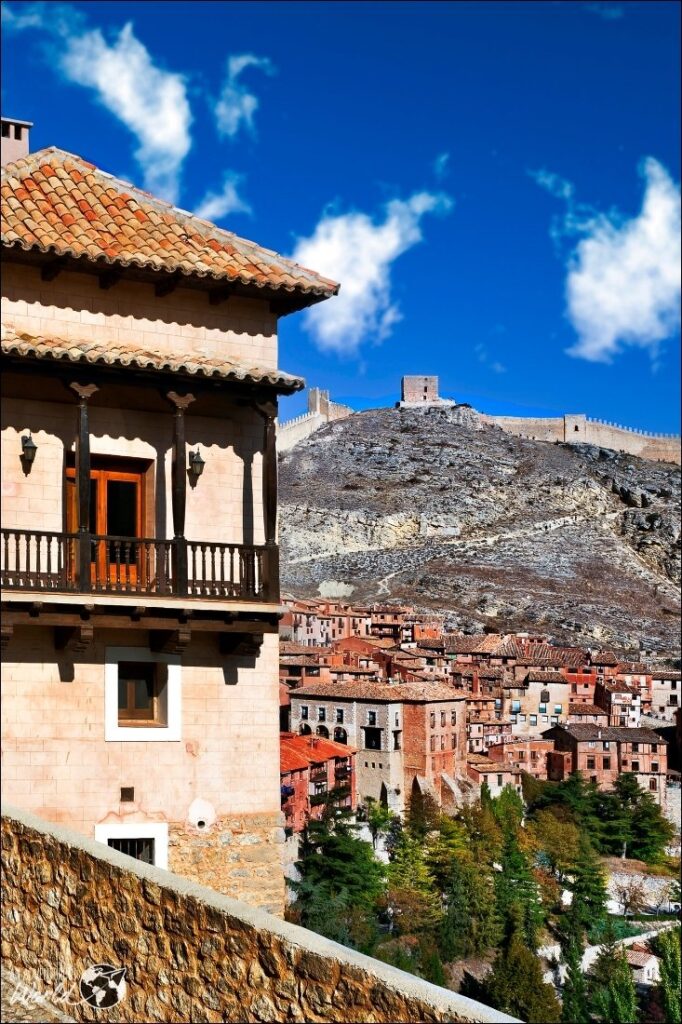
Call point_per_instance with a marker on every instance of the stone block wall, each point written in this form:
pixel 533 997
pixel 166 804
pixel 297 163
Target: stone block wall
pixel 189 953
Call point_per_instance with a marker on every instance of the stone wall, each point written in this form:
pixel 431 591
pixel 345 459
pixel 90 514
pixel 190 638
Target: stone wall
pixel 578 429
pixel 189 953
pixel 321 410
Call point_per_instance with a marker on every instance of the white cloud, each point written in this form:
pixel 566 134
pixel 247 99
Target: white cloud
pixel 236 105
pixel 483 356
pixel 440 165
pixel 607 12
pixel 151 102
pixel 354 250
pixel 623 276
pixel 553 183
pixel 216 205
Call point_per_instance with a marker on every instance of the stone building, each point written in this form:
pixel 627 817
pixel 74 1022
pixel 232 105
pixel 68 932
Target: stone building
pixel 314 773
pixel 602 754
pixel 622 702
pixel 665 699
pixel 409 736
pixel 139 558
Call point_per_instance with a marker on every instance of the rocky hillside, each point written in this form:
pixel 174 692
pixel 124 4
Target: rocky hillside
pixel 446 512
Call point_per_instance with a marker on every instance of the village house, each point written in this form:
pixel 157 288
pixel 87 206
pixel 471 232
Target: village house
pixel 139 560
pixel 602 754
pixel 665 693
pixel 587 713
pixel 528 754
pixel 410 737
pixel 621 701
pixel 541 699
pixel 496 776
pixel 637 675
pixel 482 733
pixel 314 773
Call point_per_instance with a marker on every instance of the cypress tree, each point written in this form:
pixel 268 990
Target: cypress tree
pixel 613 996
pixel 588 907
pixel 574 1008
pixel 667 947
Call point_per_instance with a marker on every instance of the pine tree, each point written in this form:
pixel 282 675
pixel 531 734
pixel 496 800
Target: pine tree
pixel 574 1007
pixel 588 906
pixel 515 984
pixel 651 830
pixel 412 895
pixel 516 889
pixel 613 996
pixel 470 925
pixel 667 947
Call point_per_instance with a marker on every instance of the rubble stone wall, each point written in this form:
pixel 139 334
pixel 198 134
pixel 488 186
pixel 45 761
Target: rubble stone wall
pixel 189 953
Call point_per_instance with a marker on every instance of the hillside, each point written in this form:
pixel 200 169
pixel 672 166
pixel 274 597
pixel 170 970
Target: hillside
pixel 439 509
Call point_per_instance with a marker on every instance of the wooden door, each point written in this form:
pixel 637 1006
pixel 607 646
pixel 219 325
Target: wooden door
pixel 116 516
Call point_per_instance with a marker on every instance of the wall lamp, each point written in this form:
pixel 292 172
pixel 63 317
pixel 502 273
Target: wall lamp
pixel 196 464
pixel 28 449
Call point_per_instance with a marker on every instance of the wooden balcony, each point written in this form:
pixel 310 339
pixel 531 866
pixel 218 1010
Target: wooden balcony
pixel 40 561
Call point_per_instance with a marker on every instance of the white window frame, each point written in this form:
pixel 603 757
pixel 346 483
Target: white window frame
pixel 156 830
pixel 113 732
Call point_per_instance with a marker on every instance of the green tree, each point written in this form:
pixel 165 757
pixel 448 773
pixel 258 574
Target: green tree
pixel 413 899
pixel 667 947
pixel 515 984
pixel 556 841
pixel 422 816
pixel 378 819
pixel 518 894
pixel 574 1007
pixel 613 997
pixel 651 830
pixel 340 881
pixel 508 809
pixel 470 924
pixel 589 894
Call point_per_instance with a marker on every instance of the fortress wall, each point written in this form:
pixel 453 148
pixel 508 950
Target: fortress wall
pixel 293 431
pixel 576 428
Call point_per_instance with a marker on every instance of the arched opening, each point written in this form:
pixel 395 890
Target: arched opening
pixel 322 731
pixel 383 795
pixel 340 735
pixel 576 429
pixel 305 730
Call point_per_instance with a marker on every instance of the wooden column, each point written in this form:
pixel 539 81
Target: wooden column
pixel 84 393
pixel 179 490
pixel 268 411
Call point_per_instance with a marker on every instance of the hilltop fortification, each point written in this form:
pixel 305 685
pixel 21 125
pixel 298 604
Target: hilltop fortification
pixel 418 392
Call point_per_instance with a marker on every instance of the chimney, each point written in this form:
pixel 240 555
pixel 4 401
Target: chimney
pixel 14 139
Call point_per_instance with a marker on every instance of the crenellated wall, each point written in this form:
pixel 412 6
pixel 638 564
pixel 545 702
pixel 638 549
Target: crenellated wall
pixel 188 952
pixel 321 410
pixel 577 428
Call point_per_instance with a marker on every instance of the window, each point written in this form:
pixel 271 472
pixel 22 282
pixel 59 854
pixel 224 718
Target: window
pixel 606 763
pixel 654 766
pixel 453 718
pixel 442 742
pixel 557 709
pixel 453 741
pixel 635 748
pixel 304 711
pixel 542 708
pixel 653 785
pixel 590 763
pixel 322 714
pixel 433 743
pixel 673 700
pixel 522 755
pixel 371 718
pixel 145 841
pixel 533 719
pixel 635 766
pixel 396 741
pixel 442 719
pixel 142 695
pixel 397 719
pixel 516 707
pixel 372 739
pixel 432 719
pixel 607 745
pixel 654 748
pixel 499 780
pixel 339 715
pixel 545 718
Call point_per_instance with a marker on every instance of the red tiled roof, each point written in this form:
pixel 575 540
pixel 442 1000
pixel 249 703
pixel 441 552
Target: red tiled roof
pixel 56 202
pixel 482 643
pixel 586 709
pixel 540 676
pixel 310 749
pixel 380 692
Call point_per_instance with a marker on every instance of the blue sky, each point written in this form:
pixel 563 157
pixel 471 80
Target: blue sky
pixel 496 186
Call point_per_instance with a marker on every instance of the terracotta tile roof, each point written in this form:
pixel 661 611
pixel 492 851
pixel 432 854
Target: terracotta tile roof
pixel 586 709
pixel 291 647
pixel 633 668
pixel 586 731
pixel 604 658
pixel 636 958
pixel 311 749
pixel 618 686
pixel 483 643
pixel 305 660
pixel 665 673
pixel 546 677
pixel 389 693
pixel 105 353
pixel 56 202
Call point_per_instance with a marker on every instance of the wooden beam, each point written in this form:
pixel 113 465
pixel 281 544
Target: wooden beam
pixel 6 631
pixel 104 620
pixel 50 270
pixel 75 638
pixel 84 393
pixel 245 645
pixel 218 295
pixel 167 285
pixel 179 489
pixel 171 641
pixel 109 278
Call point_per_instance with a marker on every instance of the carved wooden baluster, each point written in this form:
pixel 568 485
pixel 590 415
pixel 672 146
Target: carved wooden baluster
pixel 179 488
pixel 84 393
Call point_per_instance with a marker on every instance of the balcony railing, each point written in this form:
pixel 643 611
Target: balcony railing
pixel 39 560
